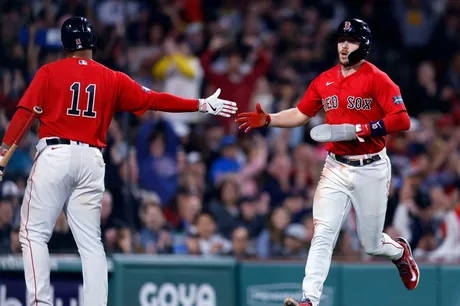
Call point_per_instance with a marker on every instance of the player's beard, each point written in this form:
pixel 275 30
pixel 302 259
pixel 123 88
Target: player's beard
pixel 343 59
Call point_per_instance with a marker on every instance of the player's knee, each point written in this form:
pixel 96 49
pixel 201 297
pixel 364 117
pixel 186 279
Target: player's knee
pixel 26 236
pixel 98 253
pixel 91 246
pixel 323 234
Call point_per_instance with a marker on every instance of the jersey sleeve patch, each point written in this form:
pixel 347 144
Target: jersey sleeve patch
pixel 398 100
pixel 83 62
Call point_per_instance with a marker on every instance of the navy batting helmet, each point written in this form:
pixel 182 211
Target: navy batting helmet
pixel 359 30
pixel 78 34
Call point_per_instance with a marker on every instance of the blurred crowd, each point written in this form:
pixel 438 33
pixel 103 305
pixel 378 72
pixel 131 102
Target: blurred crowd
pixel 194 184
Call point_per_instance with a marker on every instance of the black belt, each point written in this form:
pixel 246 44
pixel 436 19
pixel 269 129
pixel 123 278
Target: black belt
pixel 63 141
pixel 356 162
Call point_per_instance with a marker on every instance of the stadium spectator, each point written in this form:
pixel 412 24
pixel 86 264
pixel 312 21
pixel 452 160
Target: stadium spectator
pixel 294 242
pixel 250 217
pixel 210 241
pixel 154 236
pixel 225 208
pixel 108 227
pixel 255 51
pixel 240 244
pixel 270 241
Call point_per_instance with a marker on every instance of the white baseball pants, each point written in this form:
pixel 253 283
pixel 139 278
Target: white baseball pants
pixel 340 187
pixel 67 178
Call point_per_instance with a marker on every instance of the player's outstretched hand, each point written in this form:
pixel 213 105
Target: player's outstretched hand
pixel 251 120
pixel 219 107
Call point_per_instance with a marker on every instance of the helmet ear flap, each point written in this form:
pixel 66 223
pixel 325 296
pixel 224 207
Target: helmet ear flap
pixel 357 55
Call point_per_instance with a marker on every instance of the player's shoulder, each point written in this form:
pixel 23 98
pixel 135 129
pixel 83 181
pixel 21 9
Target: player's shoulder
pixel 379 77
pixel 54 64
pixel 71 61
pixel 59 64
pixel 43 70
pixel 376 72
pixel 106 70
pixel 98 65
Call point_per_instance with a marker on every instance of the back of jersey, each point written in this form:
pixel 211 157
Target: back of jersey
pixel 78 100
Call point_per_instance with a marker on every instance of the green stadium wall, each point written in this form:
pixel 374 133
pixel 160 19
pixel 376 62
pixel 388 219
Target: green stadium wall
pixel 146 280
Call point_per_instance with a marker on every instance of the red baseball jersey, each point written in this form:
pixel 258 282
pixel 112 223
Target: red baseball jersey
pixel 365 96
pixel 79 98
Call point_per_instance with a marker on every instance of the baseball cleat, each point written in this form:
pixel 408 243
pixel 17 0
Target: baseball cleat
pixel 408 269
pixel 292 302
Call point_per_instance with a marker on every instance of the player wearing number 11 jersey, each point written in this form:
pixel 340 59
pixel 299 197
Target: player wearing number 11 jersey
pixel 79 98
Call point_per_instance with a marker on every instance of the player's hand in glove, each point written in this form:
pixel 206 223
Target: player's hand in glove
pixel 251 120
pixel 215 106
pixel 363 130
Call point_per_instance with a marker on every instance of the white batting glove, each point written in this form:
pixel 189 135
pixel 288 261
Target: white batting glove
pixel 359 129
pixel 218 107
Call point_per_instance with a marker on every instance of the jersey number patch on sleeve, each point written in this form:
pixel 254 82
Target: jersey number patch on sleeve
pixel 74 110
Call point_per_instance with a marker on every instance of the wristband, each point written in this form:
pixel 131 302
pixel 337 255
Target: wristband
pixel 378 128
pixel 202 105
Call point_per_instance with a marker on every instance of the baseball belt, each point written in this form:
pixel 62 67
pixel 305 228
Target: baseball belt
pixel 355 162
pixel 63 141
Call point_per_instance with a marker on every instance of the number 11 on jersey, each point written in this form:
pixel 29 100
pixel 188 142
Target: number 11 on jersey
pixel 74 110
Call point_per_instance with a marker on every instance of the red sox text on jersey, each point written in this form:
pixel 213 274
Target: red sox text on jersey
pixel 358 103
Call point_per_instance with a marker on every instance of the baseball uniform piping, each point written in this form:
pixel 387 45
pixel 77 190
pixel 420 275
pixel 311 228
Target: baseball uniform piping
pixel 27 234
pixel 387 159
pixel 396 246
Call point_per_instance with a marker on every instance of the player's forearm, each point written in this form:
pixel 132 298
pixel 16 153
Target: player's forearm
pixel 391 123
pixel 288 118
pixel 397 122
pixel 15 126
pixel 166 102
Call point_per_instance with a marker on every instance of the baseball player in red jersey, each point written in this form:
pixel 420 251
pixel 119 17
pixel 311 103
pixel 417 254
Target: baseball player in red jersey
pixel 357 170
pixel 79 98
